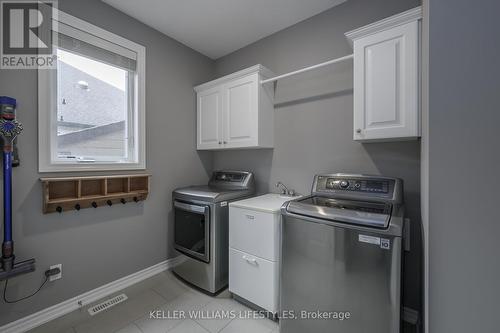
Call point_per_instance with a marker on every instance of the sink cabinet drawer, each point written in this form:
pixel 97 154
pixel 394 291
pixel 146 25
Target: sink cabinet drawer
pixel 254 279
pixel 254 232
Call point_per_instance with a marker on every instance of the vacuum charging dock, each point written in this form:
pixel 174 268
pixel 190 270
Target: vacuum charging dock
pixel 11 269
pixel 9 129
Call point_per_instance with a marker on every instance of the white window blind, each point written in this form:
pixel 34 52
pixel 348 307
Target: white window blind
pixel 96 48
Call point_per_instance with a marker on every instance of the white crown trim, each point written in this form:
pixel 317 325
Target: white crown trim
pixel 387 23
pixel 265 73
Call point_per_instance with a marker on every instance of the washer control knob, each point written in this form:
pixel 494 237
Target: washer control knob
pixel 344 184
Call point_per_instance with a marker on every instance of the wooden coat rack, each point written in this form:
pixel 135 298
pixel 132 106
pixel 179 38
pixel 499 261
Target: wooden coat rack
pixel 74 193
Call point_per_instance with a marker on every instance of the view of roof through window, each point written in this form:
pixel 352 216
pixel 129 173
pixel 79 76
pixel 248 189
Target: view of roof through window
pixel 92 107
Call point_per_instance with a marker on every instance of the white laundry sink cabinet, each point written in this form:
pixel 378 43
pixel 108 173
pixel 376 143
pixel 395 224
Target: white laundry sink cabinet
pixel 254 238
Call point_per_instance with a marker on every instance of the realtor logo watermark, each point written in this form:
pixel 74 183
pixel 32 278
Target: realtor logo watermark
pixel 26 34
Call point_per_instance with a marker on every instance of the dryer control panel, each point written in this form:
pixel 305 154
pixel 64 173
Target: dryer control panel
pixel 232 179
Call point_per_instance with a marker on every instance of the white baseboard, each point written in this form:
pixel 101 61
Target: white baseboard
pixel 72 304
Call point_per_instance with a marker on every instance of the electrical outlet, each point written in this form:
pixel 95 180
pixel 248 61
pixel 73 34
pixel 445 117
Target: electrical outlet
pixel 57 276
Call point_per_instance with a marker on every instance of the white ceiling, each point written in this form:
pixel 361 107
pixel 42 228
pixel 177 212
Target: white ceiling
pixel 218 27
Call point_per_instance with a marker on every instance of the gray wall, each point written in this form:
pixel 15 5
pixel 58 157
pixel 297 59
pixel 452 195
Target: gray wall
pixel 463 166
pixel 313 116
pixel 101 245
pixel 313 134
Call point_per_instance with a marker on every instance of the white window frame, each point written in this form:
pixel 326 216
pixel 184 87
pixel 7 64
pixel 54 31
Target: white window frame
pixel 47 106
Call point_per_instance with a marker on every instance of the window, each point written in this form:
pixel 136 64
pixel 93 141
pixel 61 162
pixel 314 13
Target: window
pixel 91 107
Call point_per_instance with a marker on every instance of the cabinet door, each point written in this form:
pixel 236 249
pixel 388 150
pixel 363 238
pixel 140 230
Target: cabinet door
pixel 241 112
pixel 386 84
pixel 254 232
pixel 209 119
pixel 253 278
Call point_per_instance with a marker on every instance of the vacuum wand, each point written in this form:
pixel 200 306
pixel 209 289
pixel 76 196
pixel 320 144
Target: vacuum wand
pixel 9 129
pixel 7 246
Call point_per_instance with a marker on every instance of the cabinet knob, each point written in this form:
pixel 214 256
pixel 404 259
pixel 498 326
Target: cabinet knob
pixel 123 201
pixel 136 199
pixel 78 207
pixel 94 204
pixel 358 131
pixel 225 142
pixel 250 260
pixel 220 142
pixel 59 209
pixel 109 202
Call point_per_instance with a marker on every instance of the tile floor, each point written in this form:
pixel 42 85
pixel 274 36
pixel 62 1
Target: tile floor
pixel 166 294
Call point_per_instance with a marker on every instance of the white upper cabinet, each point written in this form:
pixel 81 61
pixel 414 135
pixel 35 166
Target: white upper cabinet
pixel 236 111
pixel 386 78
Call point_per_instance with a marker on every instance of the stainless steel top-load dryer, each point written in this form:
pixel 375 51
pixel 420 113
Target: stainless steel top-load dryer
pixel 201 227
pixel 341 256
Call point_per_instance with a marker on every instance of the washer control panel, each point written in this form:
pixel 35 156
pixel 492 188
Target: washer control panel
pixel 358 185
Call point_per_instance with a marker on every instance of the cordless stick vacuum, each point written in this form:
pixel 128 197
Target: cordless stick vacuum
pixel 9 129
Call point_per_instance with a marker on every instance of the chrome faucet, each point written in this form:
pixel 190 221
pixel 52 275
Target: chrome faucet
pixel 284 189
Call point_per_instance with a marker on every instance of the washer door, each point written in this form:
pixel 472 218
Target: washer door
pixel 192 230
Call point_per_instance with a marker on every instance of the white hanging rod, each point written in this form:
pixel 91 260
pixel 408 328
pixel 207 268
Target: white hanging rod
pixel 333 61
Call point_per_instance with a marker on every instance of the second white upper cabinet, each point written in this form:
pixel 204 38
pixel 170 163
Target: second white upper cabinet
pixel 386 78
pixel 236 111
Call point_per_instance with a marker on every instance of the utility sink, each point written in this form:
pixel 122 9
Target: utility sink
pixel 284 196
pixel 270 202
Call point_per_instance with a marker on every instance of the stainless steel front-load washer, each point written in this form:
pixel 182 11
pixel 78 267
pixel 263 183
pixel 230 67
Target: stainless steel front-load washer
pixel 201 227
pixel 341 253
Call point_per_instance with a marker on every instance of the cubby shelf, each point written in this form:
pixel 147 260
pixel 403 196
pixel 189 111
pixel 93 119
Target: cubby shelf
pixel 74 193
